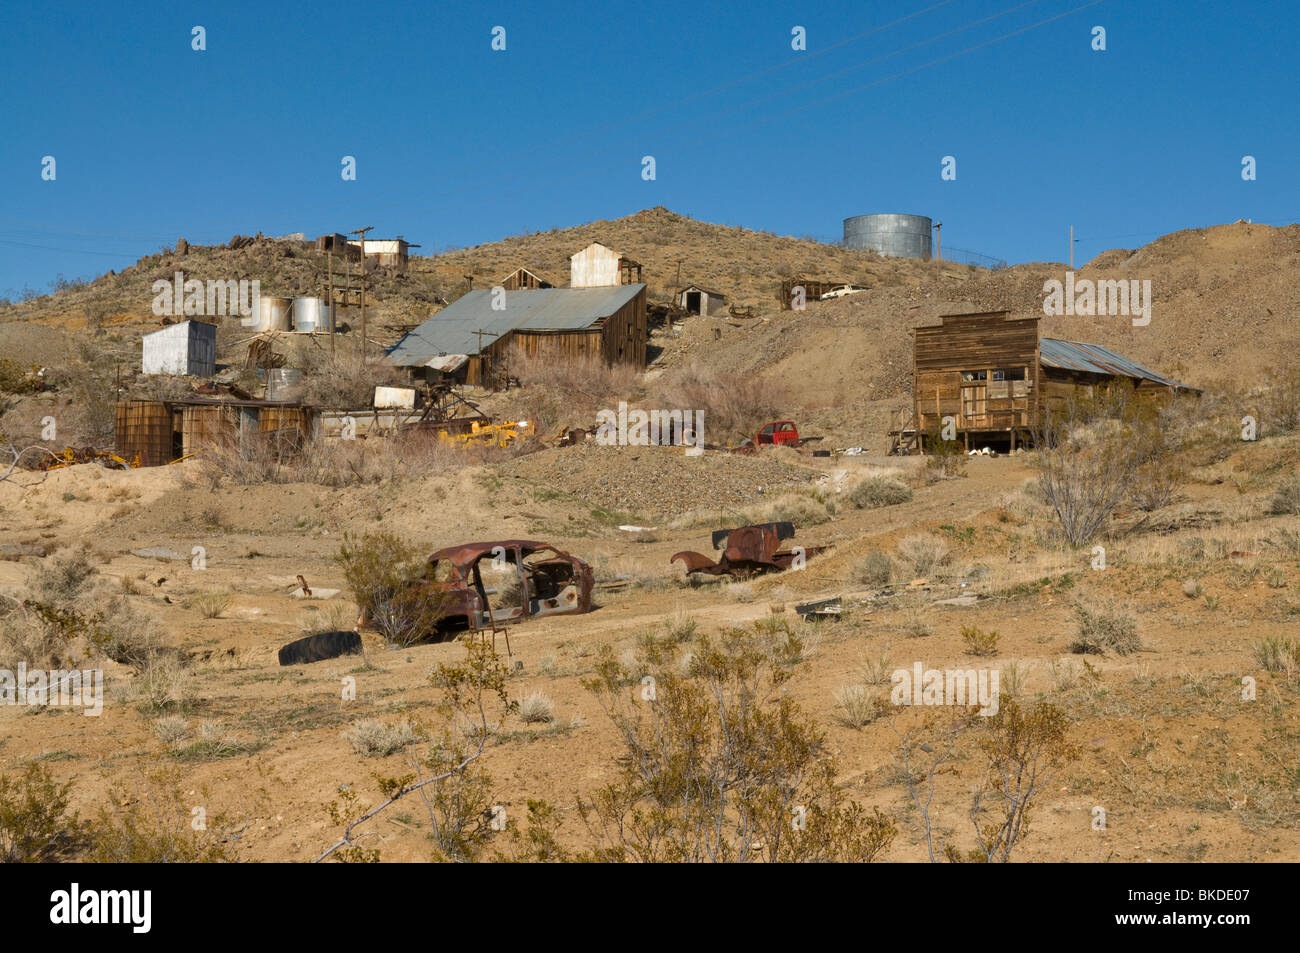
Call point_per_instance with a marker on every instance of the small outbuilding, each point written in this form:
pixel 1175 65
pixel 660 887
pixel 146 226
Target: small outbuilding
pixel 599 266
pixel 701 301
pixel 189 347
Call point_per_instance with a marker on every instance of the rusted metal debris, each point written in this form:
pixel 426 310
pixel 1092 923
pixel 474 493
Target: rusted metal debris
pixel 72 456
pixel 745 312
pixel 747 551
pixel 530 578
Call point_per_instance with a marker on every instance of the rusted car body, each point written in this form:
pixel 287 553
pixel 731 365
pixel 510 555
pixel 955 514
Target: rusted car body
pixel 748 551
pixel 506 581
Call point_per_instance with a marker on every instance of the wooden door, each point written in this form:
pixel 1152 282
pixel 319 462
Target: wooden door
pixel 974 404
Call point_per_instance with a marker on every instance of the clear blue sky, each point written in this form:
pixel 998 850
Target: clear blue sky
pixel 456 144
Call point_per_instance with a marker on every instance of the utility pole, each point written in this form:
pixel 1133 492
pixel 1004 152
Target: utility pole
pixel 1072 248
pixel 361 233
pixel 329 294
pixel 938 241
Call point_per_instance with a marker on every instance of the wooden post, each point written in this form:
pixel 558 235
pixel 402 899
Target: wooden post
pixel 361 232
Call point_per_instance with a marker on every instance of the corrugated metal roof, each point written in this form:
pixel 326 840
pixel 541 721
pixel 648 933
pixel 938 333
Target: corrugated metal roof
pixel 451 330
pixel 1095 359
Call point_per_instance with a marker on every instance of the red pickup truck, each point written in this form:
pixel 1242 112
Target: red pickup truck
pixel 779 433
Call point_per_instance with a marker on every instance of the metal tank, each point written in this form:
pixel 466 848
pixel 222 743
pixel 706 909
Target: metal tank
pixel 272 314
pixel 311 315
pixel 896 236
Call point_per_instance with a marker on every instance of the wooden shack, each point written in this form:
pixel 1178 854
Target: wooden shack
pixel 701 301
pixel 165 431
pixel 472 340
pixel 813 289
pixel 995 378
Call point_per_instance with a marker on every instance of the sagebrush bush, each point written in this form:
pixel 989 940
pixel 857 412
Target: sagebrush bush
pixel 1104 628
pixel 1286 500
pixel 879 491
pixel 925 552
pixel 211 604
pixel 377 739
pixel 874 569
pixel 978 642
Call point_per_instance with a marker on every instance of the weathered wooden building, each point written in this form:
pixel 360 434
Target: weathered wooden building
pixel 522 278
pixel 599 266
pixel 813 289
pixel 164 431
pixel 471 340
pixel 995 377
pixel 701 301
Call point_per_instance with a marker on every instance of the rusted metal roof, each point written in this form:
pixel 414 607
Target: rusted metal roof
pixel 1095 359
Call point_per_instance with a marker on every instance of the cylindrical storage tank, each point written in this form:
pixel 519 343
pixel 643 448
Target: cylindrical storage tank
pixel 311 315
pixel 143 427
pixel 896 236
pixel 273 314
pixel 283 383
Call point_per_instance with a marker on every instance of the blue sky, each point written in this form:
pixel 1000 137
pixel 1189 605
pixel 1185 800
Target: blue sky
pixel 456 144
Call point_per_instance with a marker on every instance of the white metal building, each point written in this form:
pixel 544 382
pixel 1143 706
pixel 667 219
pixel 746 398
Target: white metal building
pixel 189 347
pixel 599 266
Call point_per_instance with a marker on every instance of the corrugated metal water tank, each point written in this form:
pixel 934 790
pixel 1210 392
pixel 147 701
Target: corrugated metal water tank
pixel 311 316
pixel 896 236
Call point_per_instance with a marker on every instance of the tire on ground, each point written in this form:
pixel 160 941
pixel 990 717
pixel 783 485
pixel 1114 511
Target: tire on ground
pixel 319 647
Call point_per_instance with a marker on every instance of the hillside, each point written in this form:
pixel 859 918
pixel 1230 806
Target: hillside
pixel 1225 305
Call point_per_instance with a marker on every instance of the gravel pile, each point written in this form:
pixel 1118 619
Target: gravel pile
pixel 658 482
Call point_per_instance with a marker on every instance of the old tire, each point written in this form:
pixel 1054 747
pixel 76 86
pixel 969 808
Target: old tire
pixel 319 647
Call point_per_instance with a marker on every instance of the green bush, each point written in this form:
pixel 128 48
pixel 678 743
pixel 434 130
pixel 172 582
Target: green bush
pixel 879 491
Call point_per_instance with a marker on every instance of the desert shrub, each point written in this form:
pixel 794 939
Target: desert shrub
pixel 716 767
pixel 378 739
pixel 944 459
pixel 385 576
pixel 64 579
pixel 1155 484
pixel 681 626
pixel 914 625
pixel 154 824
pixel 211 604
pixel 536 709
pixel 1090 456
pixel 570 391
pixel 924 552
pixel 36 824
pixel 879 491
pixel 857 705
pixel 1281 405
pixel 1104 628
pixel 165 684
pixel 877 671
pixel 978 642
pixel 1023 748
pixel 171 729
pixel 330 618
pixel 16 378
pixel 874 569
pixel 343 381
pixel 1286 499
pixel 734 404
pixel 1278 653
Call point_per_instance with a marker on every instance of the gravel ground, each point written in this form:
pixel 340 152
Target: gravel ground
pixel 656 482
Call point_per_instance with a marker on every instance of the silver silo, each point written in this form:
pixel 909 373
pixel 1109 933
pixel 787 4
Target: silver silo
pixel 311 315
pixel 898 236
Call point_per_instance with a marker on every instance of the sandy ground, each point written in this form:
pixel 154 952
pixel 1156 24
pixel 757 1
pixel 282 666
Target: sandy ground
pixel 1184 769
